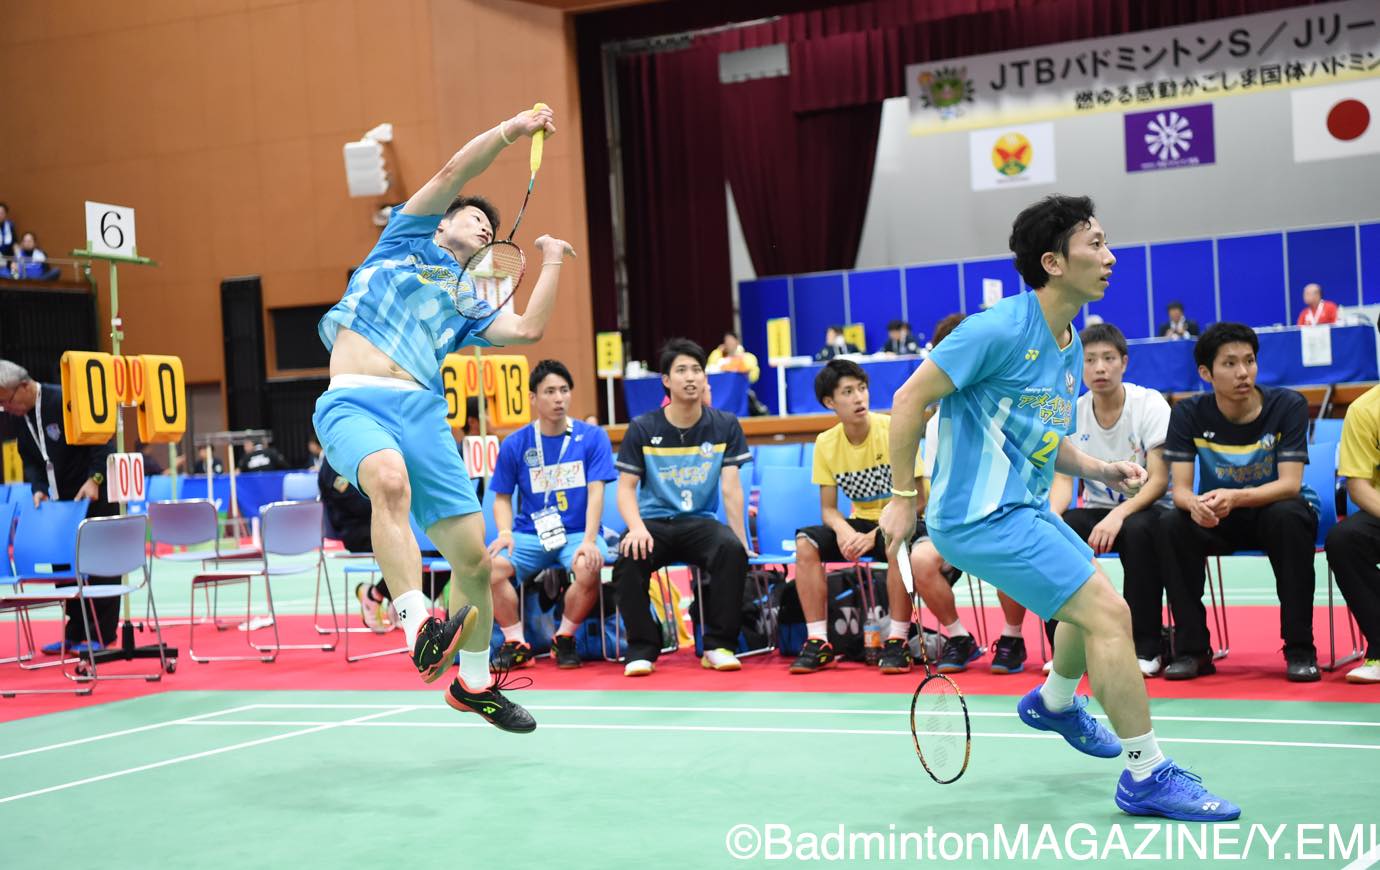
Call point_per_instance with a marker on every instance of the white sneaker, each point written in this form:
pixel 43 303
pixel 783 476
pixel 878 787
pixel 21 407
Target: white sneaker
pixel 638 668
pixel 721 660
pixel 1369 672
pixel 1149 667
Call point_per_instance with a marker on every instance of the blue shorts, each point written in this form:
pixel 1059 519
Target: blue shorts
pixel 530 558
pixel 353 422
pixel 1028 553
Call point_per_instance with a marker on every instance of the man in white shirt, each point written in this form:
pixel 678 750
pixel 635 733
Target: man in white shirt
pixel 1120 421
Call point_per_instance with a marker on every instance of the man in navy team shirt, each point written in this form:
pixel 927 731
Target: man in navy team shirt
pixel 559 479
pixel 674 462
pixel 1250 444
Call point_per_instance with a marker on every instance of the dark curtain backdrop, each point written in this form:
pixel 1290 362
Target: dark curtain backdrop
pixel 846 57
pixel 800 181
pixel 675 210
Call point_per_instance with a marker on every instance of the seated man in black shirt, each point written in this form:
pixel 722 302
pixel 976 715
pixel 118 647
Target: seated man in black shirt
pixel 899 339
pixel 675 463
pixel 1250 444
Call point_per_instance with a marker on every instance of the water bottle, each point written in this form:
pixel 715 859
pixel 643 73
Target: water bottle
pixel 872 639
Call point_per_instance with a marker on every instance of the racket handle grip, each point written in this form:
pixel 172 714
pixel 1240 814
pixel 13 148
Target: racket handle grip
pixel 538 140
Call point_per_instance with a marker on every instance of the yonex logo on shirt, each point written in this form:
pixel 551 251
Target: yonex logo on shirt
pixel 1032 354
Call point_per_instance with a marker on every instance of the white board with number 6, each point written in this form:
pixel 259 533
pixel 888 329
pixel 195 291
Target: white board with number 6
pixel 110 229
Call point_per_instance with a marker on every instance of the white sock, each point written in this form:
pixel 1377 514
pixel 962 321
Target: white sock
pixel 1057 692
pixel 474 670
pixel 817 630
pixel 413 609
pixel 1142 755
pixel 568 628
pixel 899 630
pixel 956 629
pixel 513 632
pixel 1012 631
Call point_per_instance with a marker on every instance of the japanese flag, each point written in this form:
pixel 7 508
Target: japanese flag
pixel 1337 121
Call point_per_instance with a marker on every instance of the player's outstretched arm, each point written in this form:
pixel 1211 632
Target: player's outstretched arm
pixel 1124 477
pixel 474 158
pixel 530 325
pixel 926 385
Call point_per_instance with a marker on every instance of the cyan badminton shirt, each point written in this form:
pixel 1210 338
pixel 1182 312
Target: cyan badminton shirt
pixel 999 431
pixel 1237 455
pixel 407 300
pixel 680 468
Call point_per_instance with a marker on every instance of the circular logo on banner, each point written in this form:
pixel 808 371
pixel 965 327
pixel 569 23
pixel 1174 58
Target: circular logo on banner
pixel 1011 154
pixel 531 457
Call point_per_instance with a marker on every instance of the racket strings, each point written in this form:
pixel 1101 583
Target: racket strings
pixel 939 715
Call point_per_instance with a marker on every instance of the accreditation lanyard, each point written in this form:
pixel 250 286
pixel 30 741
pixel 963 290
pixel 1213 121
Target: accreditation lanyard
pixel 541 455
pixel 37 432
pixel 1313 315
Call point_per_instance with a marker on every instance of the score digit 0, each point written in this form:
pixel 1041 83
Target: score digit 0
pixel 95 385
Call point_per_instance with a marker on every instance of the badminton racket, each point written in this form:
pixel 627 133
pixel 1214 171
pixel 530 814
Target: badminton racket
pixel 501 261
pixel 937 709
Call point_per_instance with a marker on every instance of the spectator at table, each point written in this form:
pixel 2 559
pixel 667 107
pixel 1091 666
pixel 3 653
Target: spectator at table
pixel 731 356
pixel 1178 325
pixel 6 232
pixel 900 340
pixel 1316 310
pixel 834 345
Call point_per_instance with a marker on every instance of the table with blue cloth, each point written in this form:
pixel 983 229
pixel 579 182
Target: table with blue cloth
pixel 253 489
pixel 1167 365
pixel 729 391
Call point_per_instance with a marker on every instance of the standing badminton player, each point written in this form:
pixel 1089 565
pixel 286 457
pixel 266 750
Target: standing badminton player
pixel 382 421
pixel 1008 378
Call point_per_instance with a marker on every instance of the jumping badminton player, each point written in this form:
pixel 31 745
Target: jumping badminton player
pixel 382 421
pixel 1008 378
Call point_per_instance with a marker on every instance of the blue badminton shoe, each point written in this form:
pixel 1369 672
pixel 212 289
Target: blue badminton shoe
pixel 1075 725
pixel 1174 793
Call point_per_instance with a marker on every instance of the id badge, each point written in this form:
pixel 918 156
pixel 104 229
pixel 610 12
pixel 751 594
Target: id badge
pixel 549 528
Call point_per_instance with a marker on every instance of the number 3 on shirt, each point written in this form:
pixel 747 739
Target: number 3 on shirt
pixel 1040 457
pixel 687 500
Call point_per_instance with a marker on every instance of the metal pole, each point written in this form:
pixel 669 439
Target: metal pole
pixel 608 383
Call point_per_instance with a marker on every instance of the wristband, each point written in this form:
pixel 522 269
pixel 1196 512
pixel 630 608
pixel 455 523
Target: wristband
pixel 503 134
pixel 904 493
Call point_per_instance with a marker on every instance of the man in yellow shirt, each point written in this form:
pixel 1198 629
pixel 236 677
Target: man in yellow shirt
pixel 1353 545
pixel 854 456
pixel 731 356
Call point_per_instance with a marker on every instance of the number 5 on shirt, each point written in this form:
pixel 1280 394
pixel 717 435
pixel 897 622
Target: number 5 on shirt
pixel 1049 443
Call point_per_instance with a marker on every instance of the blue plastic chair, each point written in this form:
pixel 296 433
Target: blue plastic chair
pixel 1321 475
pixel 775 455
pixel 789 501
pixel 1325 429
pixel 300 486
pixel 46 538
pixel 807 455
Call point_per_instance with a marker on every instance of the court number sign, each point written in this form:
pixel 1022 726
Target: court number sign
pixel 501 379
pixel 96 385
pixel 110 229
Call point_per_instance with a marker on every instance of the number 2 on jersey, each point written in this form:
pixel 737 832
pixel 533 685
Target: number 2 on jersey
pixel 1041 457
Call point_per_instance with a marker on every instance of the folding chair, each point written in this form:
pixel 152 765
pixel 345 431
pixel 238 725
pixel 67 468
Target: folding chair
pixel 775 455
pixel 613 520
pixel 367 566
pixel 1321 475
pixel 289 529
pixel 184 524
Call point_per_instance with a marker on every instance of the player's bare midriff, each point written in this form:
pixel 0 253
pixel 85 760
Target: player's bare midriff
pixel 354 355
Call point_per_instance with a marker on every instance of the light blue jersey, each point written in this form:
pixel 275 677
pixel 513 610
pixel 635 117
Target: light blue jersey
pixel 406 299
pixel 999 432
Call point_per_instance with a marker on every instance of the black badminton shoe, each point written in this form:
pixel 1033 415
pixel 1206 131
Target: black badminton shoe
pixel 490 703
pixel 437 642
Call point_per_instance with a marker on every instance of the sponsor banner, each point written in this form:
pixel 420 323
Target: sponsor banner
pixel 1012 156
pixel 1298 47
pixel 1169 138
pixel 1337 121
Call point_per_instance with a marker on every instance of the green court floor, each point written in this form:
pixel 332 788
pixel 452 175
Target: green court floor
pixel 642 779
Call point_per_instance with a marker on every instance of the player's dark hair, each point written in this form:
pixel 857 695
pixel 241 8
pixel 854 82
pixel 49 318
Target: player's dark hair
pixel 1104 333
pixel 1218 334
pixel 834 371
pixel 835 328
pixel 479 202
pixel 946 326
pixel 1043 227
pixel 549 367
pixel 1175 304
pixel 728 332
pixel 680 347
pixel 894 325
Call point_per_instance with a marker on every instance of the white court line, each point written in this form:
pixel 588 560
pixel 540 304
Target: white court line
pixel 843 711
pixel 181 758
pixel 1369 859
pixel 730 729
pixel 67 743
